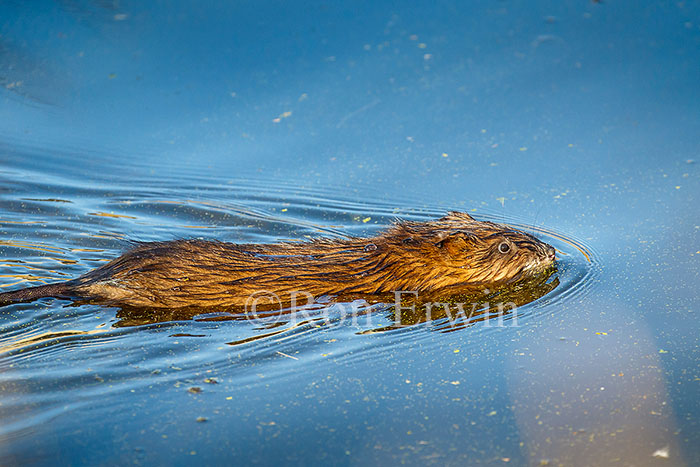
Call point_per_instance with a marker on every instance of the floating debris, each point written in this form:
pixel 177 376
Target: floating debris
pixel 663 452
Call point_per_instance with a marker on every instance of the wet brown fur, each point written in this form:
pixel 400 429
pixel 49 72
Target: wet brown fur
pixel 450 253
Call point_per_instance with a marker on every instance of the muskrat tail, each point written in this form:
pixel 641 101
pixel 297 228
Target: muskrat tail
pixel 59 289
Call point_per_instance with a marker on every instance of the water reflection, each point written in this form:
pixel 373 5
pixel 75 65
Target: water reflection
pixel 489 307
pixel 445 311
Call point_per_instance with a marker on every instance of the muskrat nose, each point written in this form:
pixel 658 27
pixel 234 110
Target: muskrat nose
pixel 551 252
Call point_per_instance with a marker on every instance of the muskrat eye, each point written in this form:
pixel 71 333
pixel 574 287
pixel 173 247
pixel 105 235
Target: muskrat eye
pixel 504 247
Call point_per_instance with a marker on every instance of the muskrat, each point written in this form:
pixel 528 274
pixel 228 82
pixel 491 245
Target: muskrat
pixel 452 253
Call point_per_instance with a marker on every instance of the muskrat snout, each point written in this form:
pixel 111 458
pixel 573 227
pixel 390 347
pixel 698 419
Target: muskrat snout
pixel 547 256
pixel 551 253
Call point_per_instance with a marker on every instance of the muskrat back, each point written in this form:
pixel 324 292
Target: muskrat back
pixel 453 252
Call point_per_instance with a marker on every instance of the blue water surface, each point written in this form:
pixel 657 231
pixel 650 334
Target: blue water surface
pixel 269 121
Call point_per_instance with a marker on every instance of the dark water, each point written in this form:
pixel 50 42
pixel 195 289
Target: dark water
pixel 268 121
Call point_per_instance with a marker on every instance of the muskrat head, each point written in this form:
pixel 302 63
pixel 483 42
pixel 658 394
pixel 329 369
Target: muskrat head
pixel 466 251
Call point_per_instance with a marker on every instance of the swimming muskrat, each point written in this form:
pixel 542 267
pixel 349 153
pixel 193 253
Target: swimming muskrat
pixel 452 253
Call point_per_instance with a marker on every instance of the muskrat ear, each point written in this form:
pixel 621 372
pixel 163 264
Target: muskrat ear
pixel 458 216
pixel 456 242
